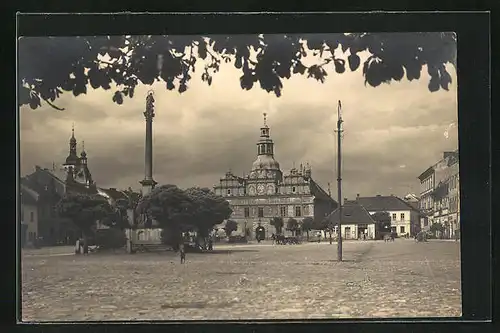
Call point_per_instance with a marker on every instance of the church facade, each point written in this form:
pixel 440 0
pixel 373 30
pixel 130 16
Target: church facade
pixel 266 192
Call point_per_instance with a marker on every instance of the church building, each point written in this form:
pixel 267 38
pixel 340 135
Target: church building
pixel 266 192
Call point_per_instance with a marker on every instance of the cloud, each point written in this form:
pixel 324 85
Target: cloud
pixel 202 133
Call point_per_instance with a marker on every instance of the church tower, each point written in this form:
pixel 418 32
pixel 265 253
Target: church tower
pixel 266 173
pixel 72 161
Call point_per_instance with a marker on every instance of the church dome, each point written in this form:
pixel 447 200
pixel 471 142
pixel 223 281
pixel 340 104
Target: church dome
pixel 266 162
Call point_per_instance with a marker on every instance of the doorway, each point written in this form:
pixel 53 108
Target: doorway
pixel 362 231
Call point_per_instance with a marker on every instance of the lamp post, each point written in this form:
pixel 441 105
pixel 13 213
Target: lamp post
pixel 339 180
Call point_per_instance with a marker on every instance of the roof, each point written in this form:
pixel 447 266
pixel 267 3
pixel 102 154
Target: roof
pixel 112 193
pixel 384 203
pixel 414 204
pixel 317 191
pixel 28 195
pixel 426 173
pixel 352 213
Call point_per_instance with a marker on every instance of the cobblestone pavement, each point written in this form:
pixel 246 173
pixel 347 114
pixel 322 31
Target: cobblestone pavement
pixel 377 279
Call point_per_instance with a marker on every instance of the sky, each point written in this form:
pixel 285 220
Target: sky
pixel 392 132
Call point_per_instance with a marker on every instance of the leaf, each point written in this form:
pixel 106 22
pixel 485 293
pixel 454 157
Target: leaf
pixel 182 87
pixel 299 68
pixel 353 61
pixel 434 84
pixel 445 79
pixel 170 84
pixel 339 65
pixel 118 97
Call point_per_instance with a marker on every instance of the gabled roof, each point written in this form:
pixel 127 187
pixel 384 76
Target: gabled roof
pixel 352 213
pixel 317 191
pixel 28 195
pixel 384 203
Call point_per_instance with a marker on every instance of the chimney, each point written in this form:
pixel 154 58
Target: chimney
pixel 357 197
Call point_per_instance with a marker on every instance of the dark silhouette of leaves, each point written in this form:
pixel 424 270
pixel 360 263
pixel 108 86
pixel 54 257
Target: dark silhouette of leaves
pixel 353 61
pixel 48 66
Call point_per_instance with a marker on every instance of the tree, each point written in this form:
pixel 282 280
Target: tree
pixel 277 223
pixel 85 210
pixel 177 210
pixel 307 225
pixel 171 207
pixel 230 227
pixel 292 225
pixel 436 228
pixel 209 209
pixel 382 222
pixel 48 66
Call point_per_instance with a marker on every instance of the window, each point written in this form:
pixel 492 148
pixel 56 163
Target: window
pixel 402 216
pixel 402 229
pixel 298 211
pixel 228 191
pixel 283 211
pixel 261 212
pixel 277 189
pixel 426 222
pixel 293 189
pixel 247 212
pixel 394 216
pixel 32 216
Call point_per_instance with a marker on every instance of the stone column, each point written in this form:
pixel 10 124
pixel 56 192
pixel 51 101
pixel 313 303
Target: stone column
pixel 148 183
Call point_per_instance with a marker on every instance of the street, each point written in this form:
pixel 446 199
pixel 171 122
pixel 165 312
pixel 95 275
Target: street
pixel 254 281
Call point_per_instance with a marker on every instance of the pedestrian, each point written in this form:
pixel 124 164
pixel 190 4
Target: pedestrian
pixel 210 244
pixel 182 251
pixel 319 237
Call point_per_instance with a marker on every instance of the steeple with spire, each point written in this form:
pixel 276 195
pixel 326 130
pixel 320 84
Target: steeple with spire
pixel 265 161
pixel 72 158
pixel 83 154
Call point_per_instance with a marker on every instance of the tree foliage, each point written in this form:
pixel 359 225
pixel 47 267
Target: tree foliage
pixel 49 66
pixel 436 227
pixel 292 225
pixel 178 210
pixel 230 227
pixel 382 221
pixel 84 210
pixel 209 209
pixel 277 223
pixel 307 225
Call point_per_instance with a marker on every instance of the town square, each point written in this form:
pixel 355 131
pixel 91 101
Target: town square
pixel 219 178
pixel 403 279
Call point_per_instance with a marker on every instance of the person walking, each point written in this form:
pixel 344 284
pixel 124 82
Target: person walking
pixel 182 251
pixel 210 243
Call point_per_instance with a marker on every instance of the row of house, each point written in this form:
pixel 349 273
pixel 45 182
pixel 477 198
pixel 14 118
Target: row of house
pixel 41 190
pixel 440 195
pixel 357 219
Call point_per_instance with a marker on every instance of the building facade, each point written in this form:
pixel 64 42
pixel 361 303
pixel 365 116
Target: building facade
pixel 267 192
pixel 404 217
pixel 51 185
pixel 28 216
pixel 357 222
pixel 440 194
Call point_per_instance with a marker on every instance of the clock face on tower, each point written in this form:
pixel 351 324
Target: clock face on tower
pixel 260 189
